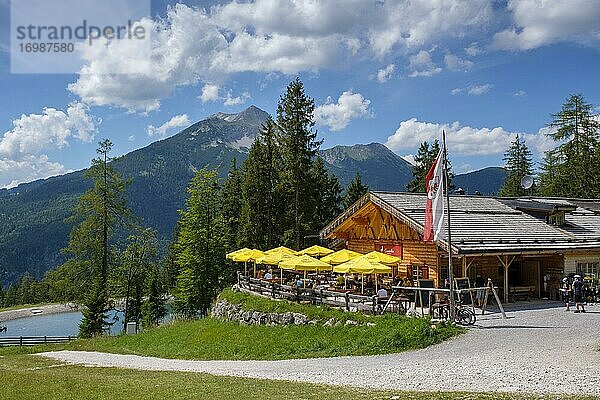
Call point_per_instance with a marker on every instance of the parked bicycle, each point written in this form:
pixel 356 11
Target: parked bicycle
pixel 463 315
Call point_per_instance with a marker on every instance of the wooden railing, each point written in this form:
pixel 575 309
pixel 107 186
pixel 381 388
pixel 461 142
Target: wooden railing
pixel 342 299
pixel 33 340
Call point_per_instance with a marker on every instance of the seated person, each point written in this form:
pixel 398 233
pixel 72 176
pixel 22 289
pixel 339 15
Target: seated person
pixel 269 275
pixel 382 293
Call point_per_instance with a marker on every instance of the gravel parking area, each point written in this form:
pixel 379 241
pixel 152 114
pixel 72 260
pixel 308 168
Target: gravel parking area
pixel 543 350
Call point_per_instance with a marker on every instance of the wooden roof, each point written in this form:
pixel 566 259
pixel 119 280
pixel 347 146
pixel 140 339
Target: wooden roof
pixel 485 224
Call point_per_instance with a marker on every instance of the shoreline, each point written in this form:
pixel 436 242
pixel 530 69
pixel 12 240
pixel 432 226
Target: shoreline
pixel 46 310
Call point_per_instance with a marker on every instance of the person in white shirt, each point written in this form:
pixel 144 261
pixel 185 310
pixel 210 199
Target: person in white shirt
pixel 382 293
pixel 268 275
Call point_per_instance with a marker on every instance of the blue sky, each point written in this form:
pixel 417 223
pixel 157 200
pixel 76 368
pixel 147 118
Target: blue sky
pixel 395 72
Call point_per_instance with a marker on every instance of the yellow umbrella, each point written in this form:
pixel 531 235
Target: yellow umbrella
pixel 250 255
pixel 282 249
pixel 316 251
pixel 363 265
pixel 230 256
pixel 340 257
pixel 304 263
pixel 382 258
pixel 274 258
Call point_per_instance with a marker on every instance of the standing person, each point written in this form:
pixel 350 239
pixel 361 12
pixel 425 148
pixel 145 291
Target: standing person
pixel 479 284
pixel 578 293
pixel 565 290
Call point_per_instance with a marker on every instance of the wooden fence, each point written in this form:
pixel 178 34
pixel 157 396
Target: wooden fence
pixel 342 299
pixel 33 340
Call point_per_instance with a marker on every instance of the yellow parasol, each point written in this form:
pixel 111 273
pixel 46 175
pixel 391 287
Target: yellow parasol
pixel 250 255
pixel 382 258
pixel 340 257
pixel 364 266
pixel 274 258
pixel 304 263
pixel 282 249
pixel 230 256
pixel 316 251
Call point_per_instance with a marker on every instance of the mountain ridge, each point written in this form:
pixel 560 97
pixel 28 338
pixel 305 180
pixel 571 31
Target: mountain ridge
pixel 33 230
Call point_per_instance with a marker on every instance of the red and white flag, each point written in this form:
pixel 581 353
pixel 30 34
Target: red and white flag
pixel 434 211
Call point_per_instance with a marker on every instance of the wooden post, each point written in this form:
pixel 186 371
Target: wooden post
pixel 505 279
pixel 273 289
pixel 347 298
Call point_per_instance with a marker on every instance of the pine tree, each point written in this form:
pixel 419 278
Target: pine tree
pixel 139 259
pixel 355 191
pixel 99 211
pixel 423 161
pixel 153 309
pixel 232 205
pixel 327 192
pixel 518 163
pixel 262 206
pixel 200 248
pixel 551 183
pixel 2 298
pixel 299 146
pixel 578 129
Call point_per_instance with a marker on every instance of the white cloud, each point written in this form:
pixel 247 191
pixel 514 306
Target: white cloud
pixel 456 63
pixel 456 91
pixel 190 46
pixel 538 23
pixel 175 122
pixel 23 148
pixel 519 93
pixel 474 50
pixel 478 90
pixel 384 74
pixel 27 169
pixel 230 100
pixel 464 140
pixel 34 133
pixel 338 115
pixel 210 92
pixel 410 158
pixel 422 65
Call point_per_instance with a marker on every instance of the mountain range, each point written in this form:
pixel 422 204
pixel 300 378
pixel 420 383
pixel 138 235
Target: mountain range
pixel 33 229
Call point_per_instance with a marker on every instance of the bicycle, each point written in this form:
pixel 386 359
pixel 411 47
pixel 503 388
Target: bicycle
pixel 463 315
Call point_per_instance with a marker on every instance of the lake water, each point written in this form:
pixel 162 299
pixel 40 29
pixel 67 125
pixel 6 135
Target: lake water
pixel 63 324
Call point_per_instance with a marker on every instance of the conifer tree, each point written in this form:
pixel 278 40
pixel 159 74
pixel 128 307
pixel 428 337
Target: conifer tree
pixel 99 212
pixel 200 248
pixel 578 130
pixel 153 309
pixel 299 145
pixel 518 163
pixel 355 190
pixel 423 162
pixel 328 197
pixel 262 207
pixel 232 205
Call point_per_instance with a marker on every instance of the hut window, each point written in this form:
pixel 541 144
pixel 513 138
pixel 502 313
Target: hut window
pixel 590 268
pixel 557 219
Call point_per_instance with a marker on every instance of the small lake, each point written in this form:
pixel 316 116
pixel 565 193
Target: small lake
pixel 62 324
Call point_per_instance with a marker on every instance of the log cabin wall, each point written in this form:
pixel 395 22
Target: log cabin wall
pixel 372 227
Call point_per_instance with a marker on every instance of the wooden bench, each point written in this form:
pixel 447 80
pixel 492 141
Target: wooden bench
pixel 521 292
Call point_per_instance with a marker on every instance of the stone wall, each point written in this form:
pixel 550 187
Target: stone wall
pixel 224 310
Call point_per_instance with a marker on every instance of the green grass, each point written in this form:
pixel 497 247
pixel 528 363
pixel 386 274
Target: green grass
pixel 211 339
pixel 25 377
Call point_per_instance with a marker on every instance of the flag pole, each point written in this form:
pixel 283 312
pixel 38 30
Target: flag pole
pixel 450 267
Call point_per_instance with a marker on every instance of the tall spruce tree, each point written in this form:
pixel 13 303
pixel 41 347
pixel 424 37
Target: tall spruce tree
pixel 200 248
pixel 355 190
pixel 328 197
pixel 232 205
pixel 299 146
pixel 262 194
pixel 153 309
pixel 99 212
pixel 423 162
pixel 574 162
pixel 518 163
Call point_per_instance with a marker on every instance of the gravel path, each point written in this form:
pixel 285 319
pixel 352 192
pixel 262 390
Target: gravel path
pixel 537 351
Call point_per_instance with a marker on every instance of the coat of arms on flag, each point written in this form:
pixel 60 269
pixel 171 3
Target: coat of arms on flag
pixel 434 210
